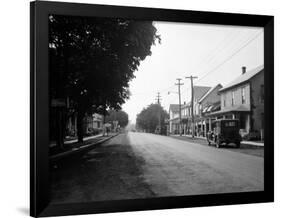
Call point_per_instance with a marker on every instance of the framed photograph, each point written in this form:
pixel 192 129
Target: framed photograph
pixel 142 109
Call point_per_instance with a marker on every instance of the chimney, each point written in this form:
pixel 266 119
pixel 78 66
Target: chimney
pixel 243 69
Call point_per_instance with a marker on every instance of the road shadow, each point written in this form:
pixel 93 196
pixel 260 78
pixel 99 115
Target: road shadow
pixel 110 171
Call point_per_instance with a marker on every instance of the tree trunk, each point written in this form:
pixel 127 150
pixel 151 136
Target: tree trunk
pixel 80 132
pixel 59 128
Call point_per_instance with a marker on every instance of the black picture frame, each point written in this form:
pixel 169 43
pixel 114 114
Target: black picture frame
pixel 39 119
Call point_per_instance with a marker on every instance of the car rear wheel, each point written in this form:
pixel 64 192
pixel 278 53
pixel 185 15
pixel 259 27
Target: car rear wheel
pixel 237 144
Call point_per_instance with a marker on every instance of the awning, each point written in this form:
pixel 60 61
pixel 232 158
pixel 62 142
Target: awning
pixel 237 109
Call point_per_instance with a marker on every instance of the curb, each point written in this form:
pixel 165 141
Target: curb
pixel 78 151
pixel 247 143
pixel 253 144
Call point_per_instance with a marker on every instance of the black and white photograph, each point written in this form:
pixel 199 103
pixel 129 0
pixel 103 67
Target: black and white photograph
pixel 142 109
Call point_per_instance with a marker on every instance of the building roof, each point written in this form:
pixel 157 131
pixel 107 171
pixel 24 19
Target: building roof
pixel 212 107
pixel 199 91
pixel 243 78
pixel 185 105
pixel 174 120
pixel 174 107
pixel 210 91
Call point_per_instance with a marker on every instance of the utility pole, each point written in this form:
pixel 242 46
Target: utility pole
pixel 192 102
pixel 179 92
pixel 158 98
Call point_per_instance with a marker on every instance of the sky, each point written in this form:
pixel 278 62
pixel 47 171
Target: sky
pixel 213 53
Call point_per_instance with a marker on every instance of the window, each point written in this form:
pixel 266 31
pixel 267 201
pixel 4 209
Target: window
pixel 243 96
pixel 230 124
pixel 232 98
pixel 223 100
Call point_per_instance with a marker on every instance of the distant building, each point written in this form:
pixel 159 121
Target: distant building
pixel 97 120
pixel 210 101
pixel 93 123
pixel 174 119
pixel 199 92
pixel 243 99
pixel 186 118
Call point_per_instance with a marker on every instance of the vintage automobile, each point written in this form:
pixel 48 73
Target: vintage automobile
pixel 226 131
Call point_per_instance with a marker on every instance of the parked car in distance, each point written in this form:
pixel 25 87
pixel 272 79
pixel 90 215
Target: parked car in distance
pixel 226 131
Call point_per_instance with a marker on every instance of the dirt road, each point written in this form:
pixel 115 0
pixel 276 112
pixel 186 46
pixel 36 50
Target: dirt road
pixel 141 165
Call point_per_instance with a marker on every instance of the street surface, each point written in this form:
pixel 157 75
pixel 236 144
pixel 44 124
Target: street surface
pixel 244 148
pixel 142 165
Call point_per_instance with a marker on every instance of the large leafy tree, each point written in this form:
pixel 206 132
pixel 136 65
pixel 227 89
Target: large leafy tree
pixel 148 118
pixel 120 116
pixel 93 59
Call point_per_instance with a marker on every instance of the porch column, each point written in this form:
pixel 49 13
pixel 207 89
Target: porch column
pixel 248 125
pixel 170 126
pixel 205 129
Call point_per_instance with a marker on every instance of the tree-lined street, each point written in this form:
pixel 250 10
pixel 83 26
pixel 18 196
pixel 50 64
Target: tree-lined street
pixel 141 165
pixel 111 139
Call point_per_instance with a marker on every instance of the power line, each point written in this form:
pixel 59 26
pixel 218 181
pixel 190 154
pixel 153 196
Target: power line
pixel 158 98
pixel 229 57
pixel 179 84
pixel 219 48
pixel 145 93
pixel 233 42
pixel 192 102
pixel 221 45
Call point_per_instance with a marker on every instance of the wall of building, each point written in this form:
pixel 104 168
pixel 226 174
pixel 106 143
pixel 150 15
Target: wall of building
pixel 174 114
pixel 257 102
pixel 196 108
pixel 185 111
pixel 227 96
pixel 172 124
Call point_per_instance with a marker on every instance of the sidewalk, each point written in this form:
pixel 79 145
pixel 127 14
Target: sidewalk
pixel 75 148
pixel 253 143
pixel 76 140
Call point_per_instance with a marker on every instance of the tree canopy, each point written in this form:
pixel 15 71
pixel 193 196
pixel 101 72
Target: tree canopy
pixel 148 118
pixel 120 116
pixel 92 59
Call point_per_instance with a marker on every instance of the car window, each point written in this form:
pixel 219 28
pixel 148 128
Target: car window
pixel 230 124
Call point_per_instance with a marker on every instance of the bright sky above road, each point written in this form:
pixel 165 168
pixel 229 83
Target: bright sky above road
pixel 214 53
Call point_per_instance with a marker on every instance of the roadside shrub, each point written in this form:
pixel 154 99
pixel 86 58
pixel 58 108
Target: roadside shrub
pixel 251 136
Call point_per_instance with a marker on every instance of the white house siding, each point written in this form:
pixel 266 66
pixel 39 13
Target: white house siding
pixel 227 96
pixel 173 122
